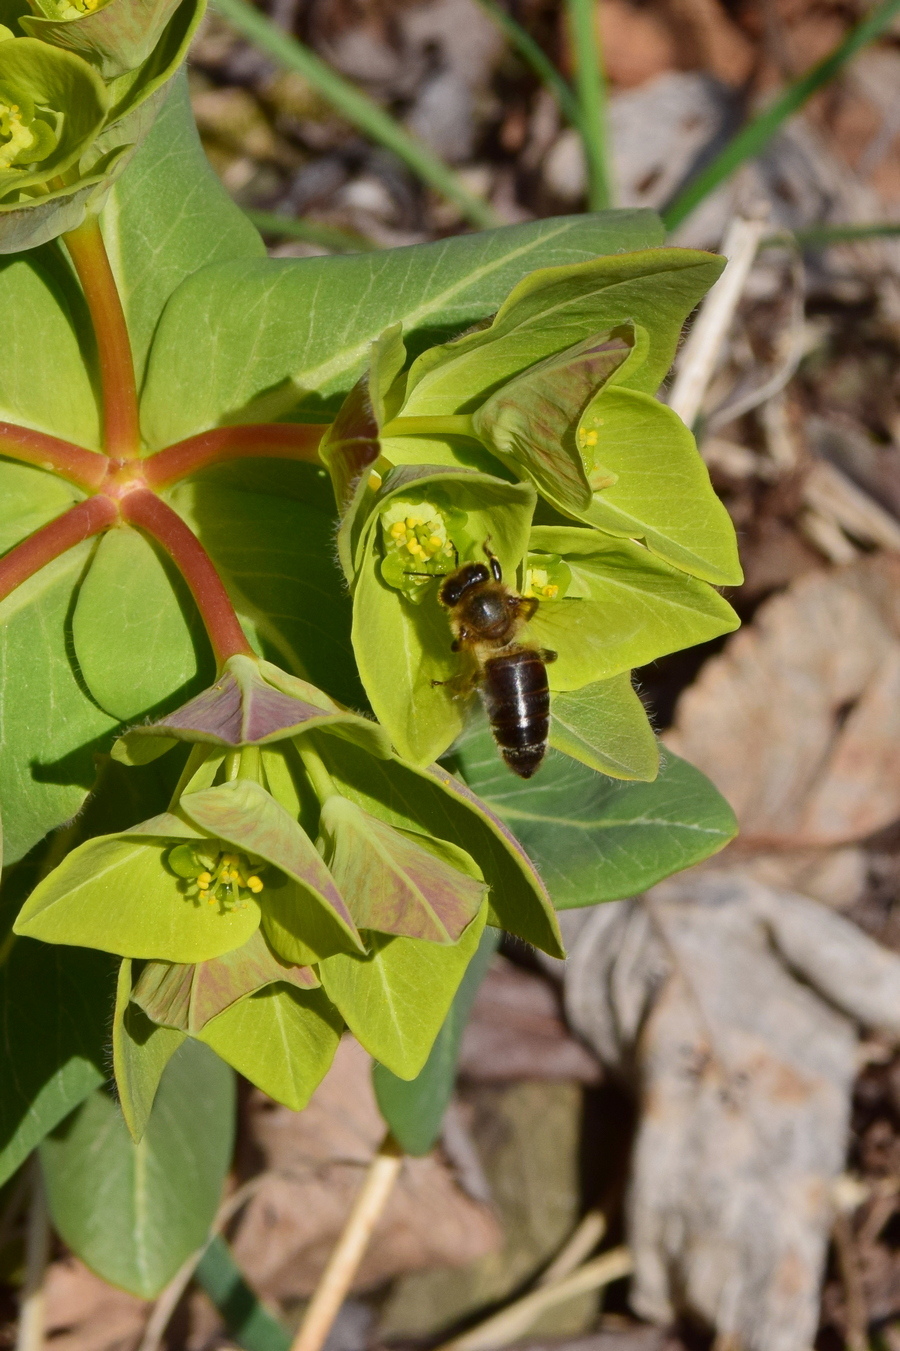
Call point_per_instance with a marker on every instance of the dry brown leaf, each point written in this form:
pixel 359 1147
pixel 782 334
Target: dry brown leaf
pixel 798 722
pixel 86 1314
pixel 317 1160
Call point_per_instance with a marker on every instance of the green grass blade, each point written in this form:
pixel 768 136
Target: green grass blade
pixel 823 236
pixel 329 236
pixel 590 84
pixel 537 59
pixel 752 138
pixel 251 1326
pixel 357 107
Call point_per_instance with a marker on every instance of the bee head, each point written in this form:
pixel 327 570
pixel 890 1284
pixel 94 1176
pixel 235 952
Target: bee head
pixel 462 581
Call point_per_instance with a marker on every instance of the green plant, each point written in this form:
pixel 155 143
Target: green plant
pixel 207 847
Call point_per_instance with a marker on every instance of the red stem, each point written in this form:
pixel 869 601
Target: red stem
pixel 121 427
pixel 268 440
pixel 144 509
pixel 77 524
pixel 85 468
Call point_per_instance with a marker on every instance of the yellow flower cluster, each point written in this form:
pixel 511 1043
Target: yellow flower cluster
pixel 15 136
pixel 537 583
pixel 227 883
pixel 423 539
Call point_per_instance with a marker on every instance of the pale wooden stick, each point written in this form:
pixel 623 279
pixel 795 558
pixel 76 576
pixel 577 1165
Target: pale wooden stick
pixel 700 354
pixel 512 1322
pixel 30 1333
pixel 580 1245
pixel 345 1259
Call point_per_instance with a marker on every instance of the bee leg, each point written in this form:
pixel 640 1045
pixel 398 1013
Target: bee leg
pixel 547 656
pixel 496 570
pixel 459 685
pixel 527 606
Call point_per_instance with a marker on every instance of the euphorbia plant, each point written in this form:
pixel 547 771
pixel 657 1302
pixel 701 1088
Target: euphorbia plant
pixel 211 843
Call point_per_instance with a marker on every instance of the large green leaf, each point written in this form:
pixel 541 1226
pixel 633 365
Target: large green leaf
pixel 46 767
pixel 29 498
pixel 298 332
pixel 138 637
pixel 166 217
pixel 396 998
pixel 596 839
pixel 55 1006
pixel 270 529
pixel 43 326
pixel 414 1108
pixel 281 1039
pixel 134 1212
pixel 557 307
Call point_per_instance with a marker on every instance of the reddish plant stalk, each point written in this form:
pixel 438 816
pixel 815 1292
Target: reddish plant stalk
pixel 145 510
pixel 265 440
pixel 85 468
pixel 77 524
pixel 121 426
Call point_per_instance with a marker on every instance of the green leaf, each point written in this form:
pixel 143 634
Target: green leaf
pixel 395 998
pixel 414 1108
pixel 402 648
pixel 117 894
pixel 134 1212
pixel 116 36
pixel 55 1006
pixel 138 637
pixel 281 1039
pixel 44 381
pixel 299 331
pixel 605 727
pixel 555 308
pixel 269 533
pixel 592 838
pixel 393 882
pixel 245 815
pixel 43 782
pixel 663 494
pixel 29 498
pixel 141 1052
pixel 167 217
pixel 623 608
pixel 432 802
pixel 249 1322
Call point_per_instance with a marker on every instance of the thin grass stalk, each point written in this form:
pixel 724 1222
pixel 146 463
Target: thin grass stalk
pixel 752 139
pixel 534 56
pixel 357 107
pixel 824 236
pixel 590 86
pixel 328 236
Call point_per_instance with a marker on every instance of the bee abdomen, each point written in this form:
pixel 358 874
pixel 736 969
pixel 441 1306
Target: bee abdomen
pixel 517 699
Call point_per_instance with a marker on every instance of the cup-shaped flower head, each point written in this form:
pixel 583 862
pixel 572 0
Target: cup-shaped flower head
pixel 52 106
pixel 312 858
pixel 114 35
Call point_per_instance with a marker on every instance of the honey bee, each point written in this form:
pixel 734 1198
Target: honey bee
pixel 486 616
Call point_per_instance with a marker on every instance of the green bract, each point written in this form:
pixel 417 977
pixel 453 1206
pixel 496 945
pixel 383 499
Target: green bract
pixel 77 95
pixel 115 35
pixel 52 105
